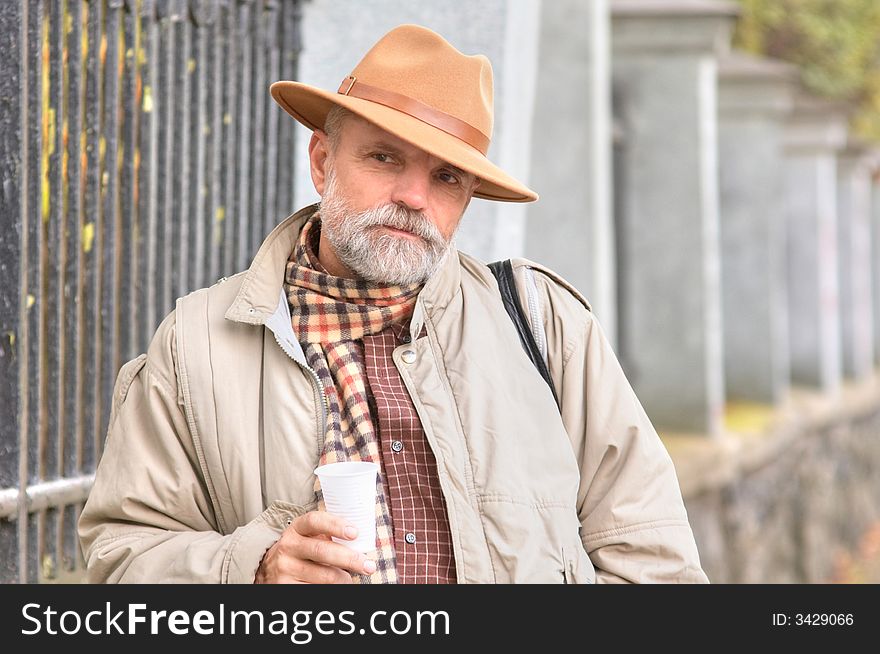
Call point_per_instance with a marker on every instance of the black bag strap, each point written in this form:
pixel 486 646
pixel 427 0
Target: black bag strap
pixel 503 271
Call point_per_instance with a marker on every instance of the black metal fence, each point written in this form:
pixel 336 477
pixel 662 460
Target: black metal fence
pixel 142 157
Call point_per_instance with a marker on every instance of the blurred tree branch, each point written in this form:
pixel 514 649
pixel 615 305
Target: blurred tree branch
pixel 836 44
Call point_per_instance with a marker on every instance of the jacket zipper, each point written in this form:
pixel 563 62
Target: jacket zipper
pixel 324 404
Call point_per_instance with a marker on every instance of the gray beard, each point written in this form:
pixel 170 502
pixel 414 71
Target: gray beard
pixel 375 255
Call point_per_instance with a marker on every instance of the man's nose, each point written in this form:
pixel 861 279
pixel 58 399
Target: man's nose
pixel 411 188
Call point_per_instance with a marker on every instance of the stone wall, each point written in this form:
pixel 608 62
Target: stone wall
pixel 786 503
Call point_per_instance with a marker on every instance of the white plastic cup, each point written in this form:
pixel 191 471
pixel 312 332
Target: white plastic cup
pixel 349 489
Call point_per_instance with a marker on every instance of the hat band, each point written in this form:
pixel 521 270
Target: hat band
pixel 442 121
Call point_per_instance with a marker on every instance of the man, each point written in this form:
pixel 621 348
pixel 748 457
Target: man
pixel 359 333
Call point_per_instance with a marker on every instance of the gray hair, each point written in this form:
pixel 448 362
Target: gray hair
pixel 333 124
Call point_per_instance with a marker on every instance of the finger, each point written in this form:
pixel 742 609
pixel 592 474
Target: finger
pixel 315 529
pixel 329 553
pixel 316 523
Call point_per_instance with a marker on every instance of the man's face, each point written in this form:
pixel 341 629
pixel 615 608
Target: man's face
pixel 389 210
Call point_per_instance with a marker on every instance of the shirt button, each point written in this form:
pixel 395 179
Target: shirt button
pixel 396 446
pixel 408 356
pixel 410 538
pixel 405 338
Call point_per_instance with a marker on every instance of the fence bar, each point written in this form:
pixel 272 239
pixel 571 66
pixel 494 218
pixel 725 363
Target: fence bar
pixel 59 492
pixel 196 70
pixel 272 29
pixel 229 213
pixel 163 101
pixel 242 204
pixel 129 231
pixel 290 45
pixel 180 159
pixel 9 510
pixel 72 410
pixel 38 497
pixel 53 437
pixel 91 299
pixel 257 98
pixel 145 275
pixel 215 73
pixel 13 175
pixel 273 214
pixel 108 234
pixel 35 300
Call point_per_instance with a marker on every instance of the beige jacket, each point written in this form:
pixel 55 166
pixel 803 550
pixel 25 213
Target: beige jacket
pixel 215 432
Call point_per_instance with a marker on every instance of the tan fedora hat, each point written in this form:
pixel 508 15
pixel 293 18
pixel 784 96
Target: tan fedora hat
pixel 415 85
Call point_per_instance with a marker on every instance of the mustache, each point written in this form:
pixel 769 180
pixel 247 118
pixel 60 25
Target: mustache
pixel 398 217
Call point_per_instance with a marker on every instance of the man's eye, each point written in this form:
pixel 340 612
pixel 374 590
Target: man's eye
pixel 381 157
pixel 448 178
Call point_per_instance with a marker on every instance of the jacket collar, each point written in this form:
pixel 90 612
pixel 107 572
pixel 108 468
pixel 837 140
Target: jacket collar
pixel 261 300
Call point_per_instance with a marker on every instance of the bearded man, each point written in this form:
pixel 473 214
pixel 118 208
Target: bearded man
pixel 359 333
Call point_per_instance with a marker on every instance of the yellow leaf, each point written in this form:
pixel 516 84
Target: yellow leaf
pixel 51 134
pixel 88 236
pixel 31 300
pixel 218 225
pixel 45 197
pixel 148 99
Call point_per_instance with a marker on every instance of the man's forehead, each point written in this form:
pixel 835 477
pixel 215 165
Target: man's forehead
pixel 361 128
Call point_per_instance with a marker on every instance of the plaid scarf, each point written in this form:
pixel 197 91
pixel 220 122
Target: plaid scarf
pixel 330 315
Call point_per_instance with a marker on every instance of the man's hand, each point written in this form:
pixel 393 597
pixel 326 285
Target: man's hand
pixel 305 554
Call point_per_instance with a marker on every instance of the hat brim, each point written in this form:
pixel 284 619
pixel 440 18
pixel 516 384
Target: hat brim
pixel 310 105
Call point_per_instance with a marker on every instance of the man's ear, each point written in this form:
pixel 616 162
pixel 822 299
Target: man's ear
pixel 318 150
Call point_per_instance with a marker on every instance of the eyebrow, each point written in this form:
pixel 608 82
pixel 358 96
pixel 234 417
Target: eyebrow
pixel 380 145
pixel 391 149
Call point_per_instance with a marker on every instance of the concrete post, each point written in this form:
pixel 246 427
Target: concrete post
pixel 854 229
pixel 814 135
pixel 570 229
pixel 665 79
pixel 755 97
pixel 337 33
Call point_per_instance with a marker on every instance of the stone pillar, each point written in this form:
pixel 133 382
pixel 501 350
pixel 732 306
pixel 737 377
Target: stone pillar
pixel 570 229
pixel 854 172
pixel 665 85
pixel 755 97
pixel 337 33
pixel 814 135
